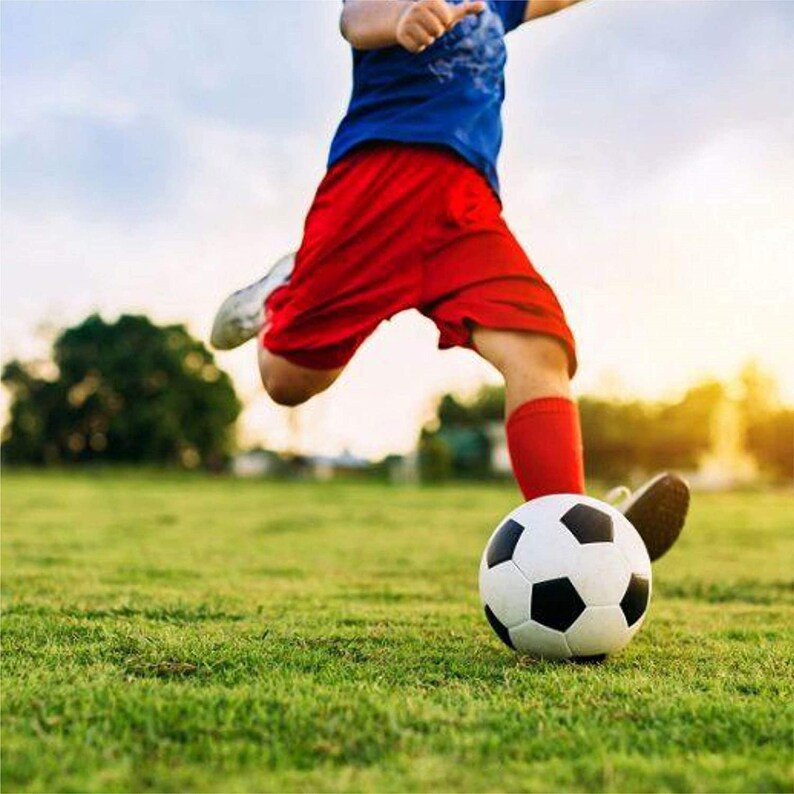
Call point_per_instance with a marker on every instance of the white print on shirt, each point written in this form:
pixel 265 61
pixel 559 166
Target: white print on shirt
pixel 474 48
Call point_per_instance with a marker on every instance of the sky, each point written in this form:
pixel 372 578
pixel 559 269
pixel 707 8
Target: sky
pixel 156 156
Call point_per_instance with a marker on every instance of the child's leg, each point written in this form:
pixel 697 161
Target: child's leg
pixel 290 384
pixel 543 433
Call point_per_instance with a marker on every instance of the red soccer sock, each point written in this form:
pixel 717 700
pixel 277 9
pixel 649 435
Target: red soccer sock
pixel 545 443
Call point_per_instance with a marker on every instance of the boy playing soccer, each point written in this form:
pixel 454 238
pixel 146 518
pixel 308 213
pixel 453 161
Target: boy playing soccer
pixel 408 216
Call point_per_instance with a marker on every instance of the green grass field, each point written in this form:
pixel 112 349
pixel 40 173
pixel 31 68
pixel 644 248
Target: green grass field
pixel 184 633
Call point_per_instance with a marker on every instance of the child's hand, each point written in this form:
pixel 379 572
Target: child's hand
pixel 424 21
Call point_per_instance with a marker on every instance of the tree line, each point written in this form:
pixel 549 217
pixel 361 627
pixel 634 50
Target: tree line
pixel 622 437
pixel 133 392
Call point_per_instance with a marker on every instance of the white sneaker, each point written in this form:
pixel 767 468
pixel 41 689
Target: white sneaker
pixel 242 314
pixel 657 510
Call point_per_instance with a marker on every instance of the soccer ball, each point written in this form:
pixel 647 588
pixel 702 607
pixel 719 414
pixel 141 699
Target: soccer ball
pixel 565 577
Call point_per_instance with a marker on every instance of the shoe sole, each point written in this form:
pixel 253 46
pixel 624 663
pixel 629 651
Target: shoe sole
pixel 659 514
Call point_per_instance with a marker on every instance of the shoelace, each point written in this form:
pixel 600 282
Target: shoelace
pixel 617 495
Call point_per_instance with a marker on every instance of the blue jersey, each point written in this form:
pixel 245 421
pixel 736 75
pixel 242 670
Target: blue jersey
pixel 451 94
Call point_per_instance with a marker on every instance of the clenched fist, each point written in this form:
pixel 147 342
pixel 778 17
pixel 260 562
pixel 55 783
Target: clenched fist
pixel 424 21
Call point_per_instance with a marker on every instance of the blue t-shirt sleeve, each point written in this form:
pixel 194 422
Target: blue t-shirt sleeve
pixel 511 11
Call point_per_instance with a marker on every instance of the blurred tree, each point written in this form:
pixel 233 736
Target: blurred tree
pixel 487 406
pixel 770 439
pixel 769 426
pixel 623 438
pixel 435 458
pixel 681 431
pixel 618 437
pixel 637 436
pixel 759 396
pixel 458 445
pixel 128 391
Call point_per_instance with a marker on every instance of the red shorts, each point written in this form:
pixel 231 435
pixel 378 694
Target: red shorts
pixel 394 227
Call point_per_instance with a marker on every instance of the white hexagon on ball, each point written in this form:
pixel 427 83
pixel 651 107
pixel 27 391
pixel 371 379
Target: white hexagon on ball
pixel 600 574
pixel 565 576
pixel 506 591
pixel 599 631
pixel 537 640
pixel 542 552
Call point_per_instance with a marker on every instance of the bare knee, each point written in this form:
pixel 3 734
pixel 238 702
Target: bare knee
pixel 285 392
pixel 522 351
pixel 546 356
pixel 541 370
pixel 288 384
pixel 533 365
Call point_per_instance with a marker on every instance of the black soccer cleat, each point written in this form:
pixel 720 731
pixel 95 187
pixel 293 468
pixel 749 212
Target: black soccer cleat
pixel 658 510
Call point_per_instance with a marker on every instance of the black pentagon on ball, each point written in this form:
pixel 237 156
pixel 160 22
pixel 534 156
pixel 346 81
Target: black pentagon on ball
pixel 556 604
pixel 588 524
pixel 499 627
pixel 503 542
pixel 635 599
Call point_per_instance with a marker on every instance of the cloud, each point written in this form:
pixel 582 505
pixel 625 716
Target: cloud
pixel 621 91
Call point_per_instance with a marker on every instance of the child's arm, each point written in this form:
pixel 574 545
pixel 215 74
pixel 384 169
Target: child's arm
pixel 540 8
pixel 371 24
